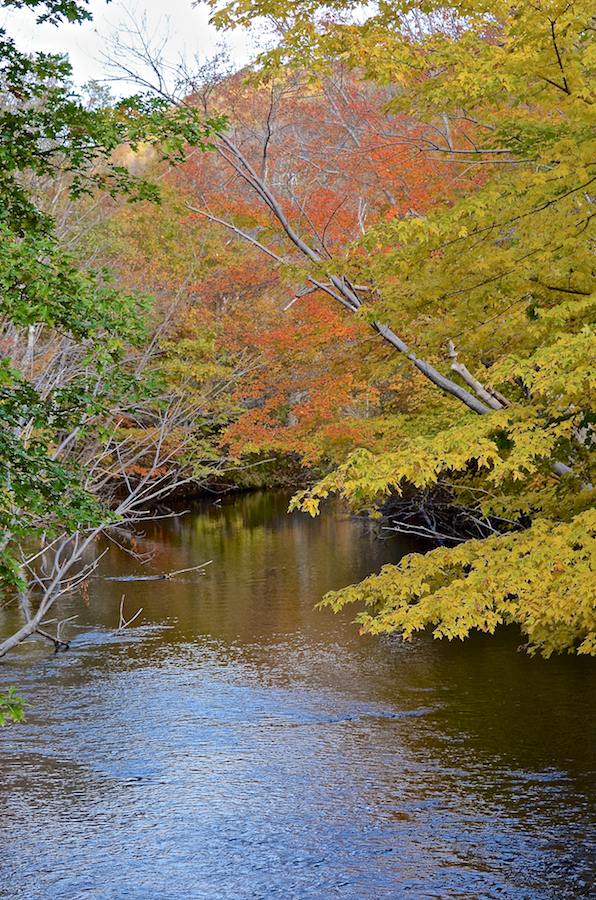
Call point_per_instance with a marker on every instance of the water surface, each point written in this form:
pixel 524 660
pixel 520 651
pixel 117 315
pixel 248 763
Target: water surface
pixel 239 745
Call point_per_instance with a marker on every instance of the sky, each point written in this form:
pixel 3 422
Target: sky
pixel 176 29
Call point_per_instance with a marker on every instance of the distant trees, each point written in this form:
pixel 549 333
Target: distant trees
pixel 295 180
pixel 310 168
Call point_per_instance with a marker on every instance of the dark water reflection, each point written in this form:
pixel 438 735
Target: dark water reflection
pixel 240 745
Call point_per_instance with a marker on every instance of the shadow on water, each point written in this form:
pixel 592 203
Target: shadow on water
pixel 239 744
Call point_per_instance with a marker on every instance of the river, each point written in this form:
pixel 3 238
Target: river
pixel 236 744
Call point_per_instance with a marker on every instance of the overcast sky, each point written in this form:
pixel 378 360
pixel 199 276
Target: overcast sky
pixel 175 28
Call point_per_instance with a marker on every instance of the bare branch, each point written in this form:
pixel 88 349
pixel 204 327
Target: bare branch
pixel 123 623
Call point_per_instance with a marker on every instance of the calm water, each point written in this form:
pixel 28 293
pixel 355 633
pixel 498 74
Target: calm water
pixel 239 745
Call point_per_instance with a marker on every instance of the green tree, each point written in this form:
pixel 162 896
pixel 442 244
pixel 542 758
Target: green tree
pixel 69 372
pixel 504 277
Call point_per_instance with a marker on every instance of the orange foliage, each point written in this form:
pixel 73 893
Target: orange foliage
pixel 309 378
pixel 334 157
pixel 317 384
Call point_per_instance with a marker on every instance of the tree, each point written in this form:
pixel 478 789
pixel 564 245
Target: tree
pixel 11 707
pixel 85 431
pixel 330 160
pixel 316 257
pixel 507 272
pixel 307 236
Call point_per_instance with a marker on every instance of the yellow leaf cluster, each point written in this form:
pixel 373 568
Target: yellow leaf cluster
pixel 543 578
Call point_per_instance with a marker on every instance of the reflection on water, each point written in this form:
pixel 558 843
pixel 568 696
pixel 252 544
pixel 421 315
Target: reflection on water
pixel 241 745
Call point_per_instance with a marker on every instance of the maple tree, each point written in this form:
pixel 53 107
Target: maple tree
pixel 306 203
pixel 335 159
pixel 330 161
pixel 506 273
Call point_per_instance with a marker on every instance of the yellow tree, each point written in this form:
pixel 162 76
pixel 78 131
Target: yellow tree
pixel 505 278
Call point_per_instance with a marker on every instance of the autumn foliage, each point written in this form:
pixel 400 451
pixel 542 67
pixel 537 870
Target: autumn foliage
pixel 385 268
pixel 487 270
pixel 315 382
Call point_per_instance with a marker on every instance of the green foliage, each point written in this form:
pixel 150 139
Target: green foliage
pixel 11 707
pixel 68 375
pixel 46 130
pixel 40 283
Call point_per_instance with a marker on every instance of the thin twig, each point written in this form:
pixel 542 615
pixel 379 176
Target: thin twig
pixel 123 623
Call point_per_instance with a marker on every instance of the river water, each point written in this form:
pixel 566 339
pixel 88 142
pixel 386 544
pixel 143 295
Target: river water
pixel 239 745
